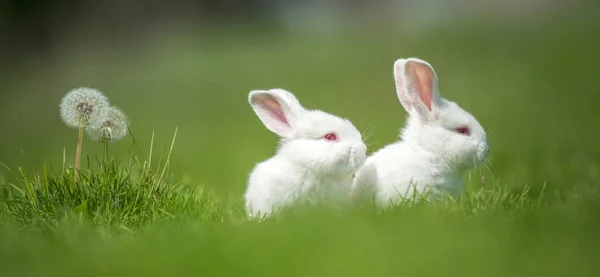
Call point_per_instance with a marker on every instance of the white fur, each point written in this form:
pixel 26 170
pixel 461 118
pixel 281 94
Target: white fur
pixel 306 168
pixel 431 155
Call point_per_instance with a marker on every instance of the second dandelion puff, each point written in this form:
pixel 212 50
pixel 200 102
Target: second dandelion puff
pixel 112 126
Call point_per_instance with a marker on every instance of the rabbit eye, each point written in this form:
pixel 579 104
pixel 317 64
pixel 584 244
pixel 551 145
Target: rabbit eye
pixel 330 137
pixel 463 130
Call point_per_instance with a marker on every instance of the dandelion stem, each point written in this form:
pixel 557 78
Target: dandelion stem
pixel 78 154
pixel 105 149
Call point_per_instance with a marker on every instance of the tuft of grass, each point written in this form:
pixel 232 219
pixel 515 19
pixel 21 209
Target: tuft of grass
pixel 108 197
pixel 108 194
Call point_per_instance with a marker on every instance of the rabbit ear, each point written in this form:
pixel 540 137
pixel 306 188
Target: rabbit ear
pixel 277 109
pixel 417 87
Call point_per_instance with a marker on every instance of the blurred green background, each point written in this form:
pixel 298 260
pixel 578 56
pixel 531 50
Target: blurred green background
pixel 527 72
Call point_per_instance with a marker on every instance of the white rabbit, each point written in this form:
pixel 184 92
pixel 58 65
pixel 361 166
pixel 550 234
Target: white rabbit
pixel 317 155
pixel 440 141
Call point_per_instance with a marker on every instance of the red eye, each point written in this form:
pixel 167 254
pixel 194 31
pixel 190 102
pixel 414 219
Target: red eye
pixel 463 130
pixel 330 137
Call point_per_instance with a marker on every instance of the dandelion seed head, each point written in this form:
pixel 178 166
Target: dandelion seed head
pixel 112 126
pixel 82 107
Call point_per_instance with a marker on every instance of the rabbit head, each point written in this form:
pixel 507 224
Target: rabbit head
pixel 436 124
pixel 312 139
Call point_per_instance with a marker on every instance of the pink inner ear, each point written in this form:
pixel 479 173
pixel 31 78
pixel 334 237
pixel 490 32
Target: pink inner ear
pixel 424 80
pixel 273 106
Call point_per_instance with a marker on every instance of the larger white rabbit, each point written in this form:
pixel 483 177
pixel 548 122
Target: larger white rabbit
pixel 440 141
pixel 317 155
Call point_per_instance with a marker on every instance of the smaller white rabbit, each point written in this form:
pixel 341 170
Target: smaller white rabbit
pixel 317 155
pixel 439 142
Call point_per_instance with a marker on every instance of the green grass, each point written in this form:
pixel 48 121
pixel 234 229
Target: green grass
pixel 112 224
pixel 534 89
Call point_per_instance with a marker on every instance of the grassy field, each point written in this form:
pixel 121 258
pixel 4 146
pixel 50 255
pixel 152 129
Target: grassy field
pixel 534 89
